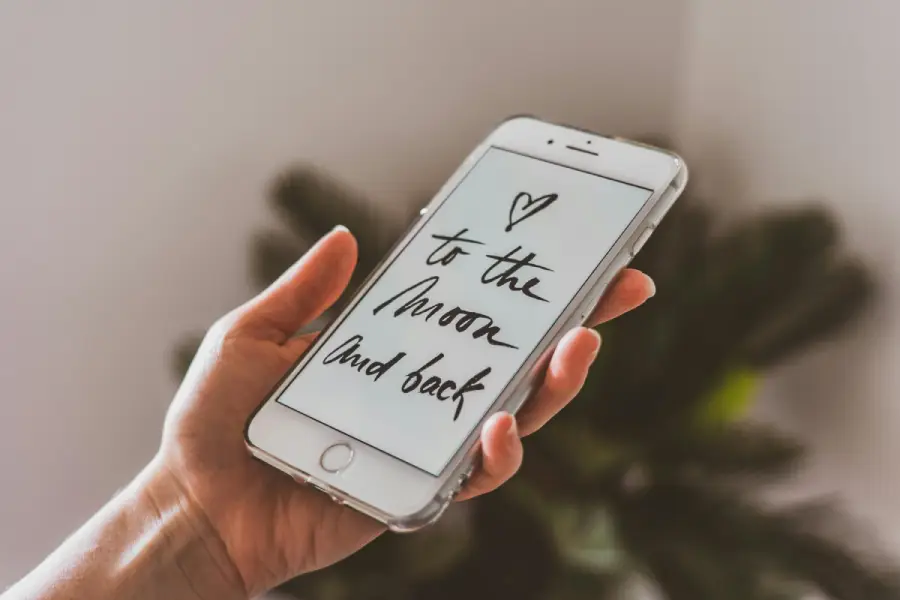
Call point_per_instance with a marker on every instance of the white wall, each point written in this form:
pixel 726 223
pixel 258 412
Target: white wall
pixel 135 143
pixel 790 100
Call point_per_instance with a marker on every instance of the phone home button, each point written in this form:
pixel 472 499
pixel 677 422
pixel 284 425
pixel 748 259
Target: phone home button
pixel 336 457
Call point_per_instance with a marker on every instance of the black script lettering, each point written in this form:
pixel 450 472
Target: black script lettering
pixel 347 353
pixel 507 278
pixel 455 250
pixel 419 304
pixel 414 378
pixel 435 386
pixel 472 385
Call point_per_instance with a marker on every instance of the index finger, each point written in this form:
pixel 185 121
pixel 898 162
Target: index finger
pixel 629 290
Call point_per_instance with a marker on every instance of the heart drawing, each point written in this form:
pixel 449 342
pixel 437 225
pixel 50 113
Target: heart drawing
pixel 524 206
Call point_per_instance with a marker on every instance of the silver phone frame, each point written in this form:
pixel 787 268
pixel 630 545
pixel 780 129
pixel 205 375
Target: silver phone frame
pixel 522 383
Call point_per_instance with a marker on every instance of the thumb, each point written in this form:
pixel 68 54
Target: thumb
pixel 304 291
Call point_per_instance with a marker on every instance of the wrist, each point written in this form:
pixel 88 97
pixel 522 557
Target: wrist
pixel 180 536
pixel 151 541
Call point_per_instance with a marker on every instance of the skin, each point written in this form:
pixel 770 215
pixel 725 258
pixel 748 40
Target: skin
pixel 205 520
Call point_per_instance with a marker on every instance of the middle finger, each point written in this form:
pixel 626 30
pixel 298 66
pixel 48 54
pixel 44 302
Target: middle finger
pixel 563 379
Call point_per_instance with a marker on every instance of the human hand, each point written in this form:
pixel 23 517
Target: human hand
pixel 271 527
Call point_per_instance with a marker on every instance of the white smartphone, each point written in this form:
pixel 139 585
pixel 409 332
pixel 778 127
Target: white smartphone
pixel 384 410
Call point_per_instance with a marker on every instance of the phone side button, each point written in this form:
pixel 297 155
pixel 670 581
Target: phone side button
pixel 461 481
pixel 641 240
pixel 465 476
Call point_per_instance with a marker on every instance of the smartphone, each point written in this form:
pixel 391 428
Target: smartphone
pixel 383 411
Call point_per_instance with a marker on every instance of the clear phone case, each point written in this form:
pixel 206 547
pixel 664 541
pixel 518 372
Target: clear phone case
pixel 522 385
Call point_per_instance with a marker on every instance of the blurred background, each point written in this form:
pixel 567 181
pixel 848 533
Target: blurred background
pixel 139 143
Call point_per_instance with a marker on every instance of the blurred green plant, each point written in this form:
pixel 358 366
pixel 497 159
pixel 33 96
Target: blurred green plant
pixel 652 474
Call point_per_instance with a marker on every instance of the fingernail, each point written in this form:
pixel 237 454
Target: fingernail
pixel 598 341
pixel 512 434
pixel 339 228
pixel 651 286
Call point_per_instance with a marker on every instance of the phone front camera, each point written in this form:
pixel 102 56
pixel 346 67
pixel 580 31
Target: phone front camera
pixel 549 141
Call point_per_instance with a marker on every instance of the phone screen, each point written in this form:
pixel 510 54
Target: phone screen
pixel 422 356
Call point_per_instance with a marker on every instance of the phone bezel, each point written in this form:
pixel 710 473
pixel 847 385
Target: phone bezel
pixel 402 496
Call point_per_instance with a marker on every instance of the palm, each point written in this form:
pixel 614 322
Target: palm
pixel 273 528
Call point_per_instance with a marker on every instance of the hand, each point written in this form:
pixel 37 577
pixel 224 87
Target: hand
pixel 273 528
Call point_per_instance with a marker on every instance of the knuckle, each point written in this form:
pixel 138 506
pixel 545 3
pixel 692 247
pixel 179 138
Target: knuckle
pixel 223 326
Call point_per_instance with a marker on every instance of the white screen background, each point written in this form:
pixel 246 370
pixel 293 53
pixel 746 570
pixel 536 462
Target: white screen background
pixel 571 235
